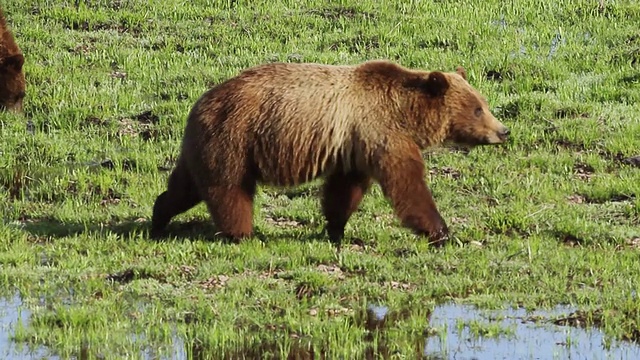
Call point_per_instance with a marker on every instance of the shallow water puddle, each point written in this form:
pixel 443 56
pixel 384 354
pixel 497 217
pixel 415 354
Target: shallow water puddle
pixel 518 334
pixel 460 332
pixel 12 314
pixel 176 350
pixel 526 339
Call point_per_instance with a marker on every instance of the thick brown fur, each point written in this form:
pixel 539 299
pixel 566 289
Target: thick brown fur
pixel 12 81
pixel 286 124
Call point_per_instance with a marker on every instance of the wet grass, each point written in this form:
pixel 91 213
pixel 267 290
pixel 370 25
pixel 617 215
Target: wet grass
pixel 552 218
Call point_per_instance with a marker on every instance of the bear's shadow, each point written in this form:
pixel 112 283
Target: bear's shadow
pixel 130 228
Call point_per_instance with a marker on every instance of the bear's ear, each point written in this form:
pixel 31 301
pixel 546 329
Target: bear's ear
pixel 462 72
pixel 435 85
pixel 13 63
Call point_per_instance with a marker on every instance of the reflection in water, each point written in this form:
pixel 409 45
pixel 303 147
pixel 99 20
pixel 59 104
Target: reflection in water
pixel 13 315
pixel 376 316
pixel 529 341
pixel 453 339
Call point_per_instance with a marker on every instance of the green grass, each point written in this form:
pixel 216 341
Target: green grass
pixel 547 219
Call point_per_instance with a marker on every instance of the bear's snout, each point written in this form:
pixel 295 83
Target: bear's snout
pixel 503 133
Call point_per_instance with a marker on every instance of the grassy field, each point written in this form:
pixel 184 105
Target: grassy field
pixel 551 218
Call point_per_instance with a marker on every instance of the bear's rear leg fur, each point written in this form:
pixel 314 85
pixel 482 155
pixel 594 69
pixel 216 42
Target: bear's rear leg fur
pixel 231 208
pixel 342 194
pixel 180 196
pixel 402 181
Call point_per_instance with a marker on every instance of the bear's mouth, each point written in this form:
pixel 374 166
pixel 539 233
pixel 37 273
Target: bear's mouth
pixel 466 141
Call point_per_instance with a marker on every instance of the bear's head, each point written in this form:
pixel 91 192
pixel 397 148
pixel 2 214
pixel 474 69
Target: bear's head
pixel 463 113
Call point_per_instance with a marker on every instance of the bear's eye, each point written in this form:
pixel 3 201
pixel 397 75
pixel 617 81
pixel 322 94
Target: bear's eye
pixel 478 111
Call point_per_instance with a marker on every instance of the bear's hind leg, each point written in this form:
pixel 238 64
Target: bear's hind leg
pixel 342 194
pixel 180 196
pixel 231 208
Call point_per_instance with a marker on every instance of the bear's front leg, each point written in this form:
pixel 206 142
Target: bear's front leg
pixel 180 196
pixel 231 207
pixel 401 177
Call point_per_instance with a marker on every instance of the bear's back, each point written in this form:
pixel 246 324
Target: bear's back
pixel 295 121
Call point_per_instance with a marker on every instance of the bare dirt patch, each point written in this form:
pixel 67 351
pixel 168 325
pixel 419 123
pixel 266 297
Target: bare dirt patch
pixel 583 171
pixel 634 242
pixel 341 12
pixel 616 197
pixel 282 222
pixel 214 282
pixel 445 171
pixel 332 270
pixel 576 199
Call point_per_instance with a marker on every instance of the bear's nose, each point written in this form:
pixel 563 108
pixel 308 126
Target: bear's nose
pixel 504 133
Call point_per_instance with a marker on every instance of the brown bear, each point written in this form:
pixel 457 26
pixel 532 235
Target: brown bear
pixel 285 124
pixel 12 82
